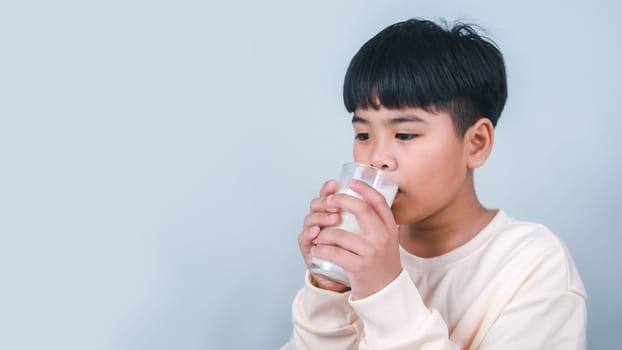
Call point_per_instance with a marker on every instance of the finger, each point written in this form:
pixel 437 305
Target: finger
pixel 312 233
pixel 329 187
pixel 342 257
pixel 305 242
pixel 306 237
pixel 375 200
pixel 313 224
pixel 349 241
pixel 368 220
pixel 319 204
pixel 351 204
pixel 322 219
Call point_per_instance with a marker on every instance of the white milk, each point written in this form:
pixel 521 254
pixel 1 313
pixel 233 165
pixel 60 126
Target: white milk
pixel 348 220
pixel 348 223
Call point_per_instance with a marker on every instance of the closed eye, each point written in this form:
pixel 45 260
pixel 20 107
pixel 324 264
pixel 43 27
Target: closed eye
pixel 405 137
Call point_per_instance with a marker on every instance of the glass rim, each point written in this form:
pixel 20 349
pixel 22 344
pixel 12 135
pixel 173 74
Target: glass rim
pixel 378 171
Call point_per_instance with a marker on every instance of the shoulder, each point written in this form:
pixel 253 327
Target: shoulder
pixel 529 237
pixel 540 256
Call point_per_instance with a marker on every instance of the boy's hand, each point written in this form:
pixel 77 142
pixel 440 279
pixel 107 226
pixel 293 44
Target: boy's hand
pixel 371 259
pixel 320 215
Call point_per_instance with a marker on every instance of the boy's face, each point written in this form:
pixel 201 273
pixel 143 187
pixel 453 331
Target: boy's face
pixel 421 151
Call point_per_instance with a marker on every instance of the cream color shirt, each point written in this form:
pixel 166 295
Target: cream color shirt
pixel 513 286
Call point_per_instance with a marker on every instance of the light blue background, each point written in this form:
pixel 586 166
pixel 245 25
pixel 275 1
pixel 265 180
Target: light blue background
pixel 157 157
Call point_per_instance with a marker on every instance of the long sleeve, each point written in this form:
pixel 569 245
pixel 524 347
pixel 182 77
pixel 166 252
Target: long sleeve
pixel 513 287
pixel 323 320
pixel 396 318
pixel 393 318
pixel 548 310
pixel 555 322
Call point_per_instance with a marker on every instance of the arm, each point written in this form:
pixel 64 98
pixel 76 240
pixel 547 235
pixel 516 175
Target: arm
pixel 393 318
pixel 549 321
pixel 547 311
pixel 383 296
pixel 549 308
pixel 323 319
pixel 396 318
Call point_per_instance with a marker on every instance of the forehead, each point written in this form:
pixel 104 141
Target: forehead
pixel 409 115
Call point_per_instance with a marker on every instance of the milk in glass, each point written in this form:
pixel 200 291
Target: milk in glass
pixel 379 181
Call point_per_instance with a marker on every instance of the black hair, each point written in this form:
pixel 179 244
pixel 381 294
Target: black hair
pixel 418 63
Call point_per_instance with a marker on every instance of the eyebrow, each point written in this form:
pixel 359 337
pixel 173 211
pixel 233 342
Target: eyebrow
pixel 407 118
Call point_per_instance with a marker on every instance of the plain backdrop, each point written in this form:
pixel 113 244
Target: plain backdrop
pixel 157 157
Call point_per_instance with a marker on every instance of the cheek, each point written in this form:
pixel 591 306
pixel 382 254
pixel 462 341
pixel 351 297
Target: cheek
pixel 431 183
pixel 360 155
pixel 447 164
pixel 439 171
pixel 357 154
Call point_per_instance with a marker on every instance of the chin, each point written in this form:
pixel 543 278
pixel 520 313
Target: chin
pixel 406 219
pixel 404 212
pixel 399 215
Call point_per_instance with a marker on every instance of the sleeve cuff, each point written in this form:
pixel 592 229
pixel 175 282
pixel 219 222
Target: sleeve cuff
pixel 323 308
pixel 393 312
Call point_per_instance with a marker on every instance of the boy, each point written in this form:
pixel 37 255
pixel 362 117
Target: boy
pixel 437 270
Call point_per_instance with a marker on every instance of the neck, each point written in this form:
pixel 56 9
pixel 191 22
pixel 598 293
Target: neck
pixel 448 228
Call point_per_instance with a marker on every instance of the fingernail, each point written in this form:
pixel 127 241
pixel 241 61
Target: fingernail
pixel 313 231
pixel 329 199
pixel 332 218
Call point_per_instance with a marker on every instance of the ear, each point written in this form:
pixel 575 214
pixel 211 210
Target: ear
pixel 478 141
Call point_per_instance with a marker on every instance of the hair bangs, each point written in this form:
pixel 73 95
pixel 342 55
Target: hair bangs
pixel 398 73
pixel 418 63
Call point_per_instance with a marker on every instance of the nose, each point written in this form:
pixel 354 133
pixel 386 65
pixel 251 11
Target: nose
pixel 382 157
